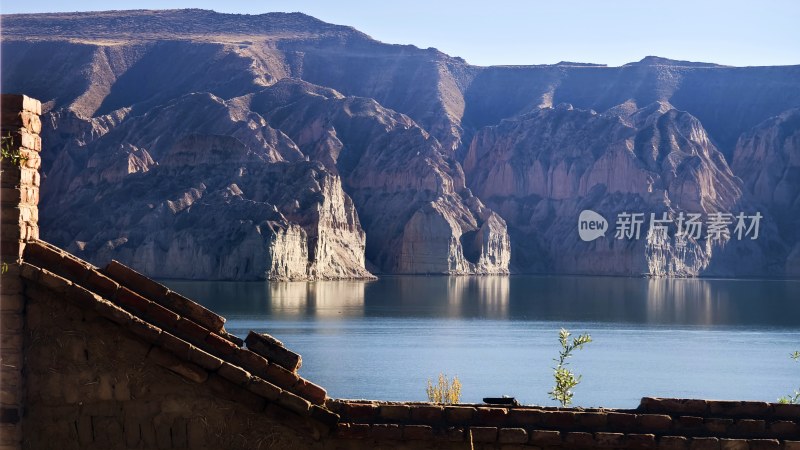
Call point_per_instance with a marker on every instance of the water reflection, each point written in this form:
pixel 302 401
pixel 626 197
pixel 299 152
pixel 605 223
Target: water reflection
pixel 539 298
pixel 323 299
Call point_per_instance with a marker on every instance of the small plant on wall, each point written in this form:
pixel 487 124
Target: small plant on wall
pixel 793 399
pixel 565 380
pixel 444 391
pixel 8 152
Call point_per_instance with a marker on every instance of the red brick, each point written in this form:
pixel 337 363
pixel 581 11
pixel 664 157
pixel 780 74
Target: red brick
pixel 353 431
pixel 135 281
pixel 491 416
pixel 161 316
pixel 54 282
pixel 688 423
pixel 281 377
pixel 704 443
pixel 195 311
pixel 560 419
pixel 609 440
pixel 673 443
pixel 74 269
pixel 264 389
pixel 786 411
pixel 637 440
pixel 113 312
pixel 324 416
pixel 42 255
pixel 174 345
pixel 592 420
pixel 764 444
pixel 427 414
pixel 231 337
pixel 784 428
pixel 102 285
pixel 748 428
pixel 204 359
pixel 234 374
pixel 579 440
pixel 734 444
pixel 395 413
pixel 132 301
pixel 512 436
pixel 191 331
pixel 252 362
pixel 146 331
pixel 219 346
pixel 483 434
pixel 294 403
pixel 459 415
pixel 14 103
pixel 310 391
pixel 654 422
pixel 525 417
pixel 738 408
pixel 273 350
pixel 674 406
pixel 359 412
pixel 717 426
pixel 544 438
pixel 387 431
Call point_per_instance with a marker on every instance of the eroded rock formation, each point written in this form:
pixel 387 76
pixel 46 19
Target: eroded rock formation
pixel 312 150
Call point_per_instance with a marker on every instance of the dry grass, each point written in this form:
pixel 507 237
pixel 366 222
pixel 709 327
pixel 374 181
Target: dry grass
pixel 444 391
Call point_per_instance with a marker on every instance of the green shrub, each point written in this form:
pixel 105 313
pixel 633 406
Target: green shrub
pixel 792 398
pixel 564 378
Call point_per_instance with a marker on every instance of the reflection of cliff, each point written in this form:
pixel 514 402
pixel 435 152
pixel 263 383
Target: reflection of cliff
pixel 689 301
pixel 323 299
pixel 486 297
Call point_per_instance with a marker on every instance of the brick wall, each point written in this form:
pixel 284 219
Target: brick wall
pixel 93 385
pixel 20 195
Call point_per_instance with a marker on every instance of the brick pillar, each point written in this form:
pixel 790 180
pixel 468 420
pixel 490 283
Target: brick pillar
pixel 19 199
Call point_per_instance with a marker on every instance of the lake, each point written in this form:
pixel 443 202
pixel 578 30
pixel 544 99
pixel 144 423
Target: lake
pixel 698 338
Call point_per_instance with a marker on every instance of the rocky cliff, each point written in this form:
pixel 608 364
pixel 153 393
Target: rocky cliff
pixel 768 159
pixel 317 151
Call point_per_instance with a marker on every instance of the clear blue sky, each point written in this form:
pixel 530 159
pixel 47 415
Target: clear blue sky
pixel 614 32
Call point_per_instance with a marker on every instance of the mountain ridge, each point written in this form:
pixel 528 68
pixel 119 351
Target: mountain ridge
pixel 409 150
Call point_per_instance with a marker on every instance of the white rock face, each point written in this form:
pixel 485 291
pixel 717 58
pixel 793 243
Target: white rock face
pixel 336 239
pixel 410 193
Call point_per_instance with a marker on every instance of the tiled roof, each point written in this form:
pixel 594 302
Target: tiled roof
pixel 187 338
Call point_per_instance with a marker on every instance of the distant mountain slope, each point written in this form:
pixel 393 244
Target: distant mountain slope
pixel 390 125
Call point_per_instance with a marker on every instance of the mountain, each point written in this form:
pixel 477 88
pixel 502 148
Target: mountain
pixel 194 144
pixel 768 159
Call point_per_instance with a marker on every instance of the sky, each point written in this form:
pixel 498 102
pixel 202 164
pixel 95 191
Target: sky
pixel 614 32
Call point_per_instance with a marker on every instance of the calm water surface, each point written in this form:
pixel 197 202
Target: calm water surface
pixel 724 339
